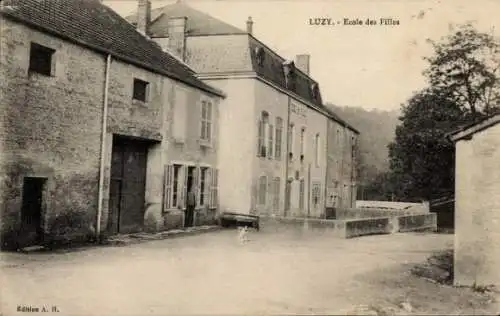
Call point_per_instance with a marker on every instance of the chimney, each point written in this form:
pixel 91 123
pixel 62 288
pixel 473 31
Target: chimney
pixel 143 16
pixel 249 25
pixel 177 37
pixel 302 63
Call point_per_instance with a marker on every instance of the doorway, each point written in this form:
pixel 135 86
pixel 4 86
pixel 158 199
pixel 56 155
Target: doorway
pixel 189 218
pixel 127 186
pixel 288 195
pixel 31 210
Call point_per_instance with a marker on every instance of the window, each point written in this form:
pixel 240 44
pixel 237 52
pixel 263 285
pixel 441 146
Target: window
pixel 279 135
pixel 262 128
pixel 206 121
pixel 291 130
pixel 262 190
pixel 302 143
pixel 214 188
pixel 317 149
pixel 140 90
pixel 270 142
pixel 41 59
pixel 316 194
pixel 175 186
pixel 259 54
pixel 301 194
pixel 276 196
pixel 203 185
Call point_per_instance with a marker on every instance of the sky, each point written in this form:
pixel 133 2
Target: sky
pixel 371 66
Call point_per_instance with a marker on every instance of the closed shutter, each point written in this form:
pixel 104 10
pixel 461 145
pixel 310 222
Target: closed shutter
pixel 181 180
pixel 214 188
pixel 208 187
pixel 196 184
pixel 184 186
pixel 169 176
pixel 270 145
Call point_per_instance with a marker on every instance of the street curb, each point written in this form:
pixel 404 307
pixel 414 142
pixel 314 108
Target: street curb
pixel 133 239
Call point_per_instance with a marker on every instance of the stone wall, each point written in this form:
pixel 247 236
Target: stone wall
pixel 354 213
pixel 50 128
pixel 477 209
pixel 349 228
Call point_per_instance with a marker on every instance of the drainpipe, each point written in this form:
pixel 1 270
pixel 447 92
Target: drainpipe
pixel 103 148
pixel 325 193
pixel 287 204
pixel 309 190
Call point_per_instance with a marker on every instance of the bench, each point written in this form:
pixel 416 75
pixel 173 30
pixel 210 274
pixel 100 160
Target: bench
pixel 229 218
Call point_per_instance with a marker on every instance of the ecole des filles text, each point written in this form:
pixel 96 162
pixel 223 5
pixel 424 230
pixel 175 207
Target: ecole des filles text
pixel 356 21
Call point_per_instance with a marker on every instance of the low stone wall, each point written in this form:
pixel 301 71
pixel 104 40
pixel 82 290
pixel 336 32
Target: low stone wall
pixel 367 226
pixel 355 213
pixel 417 222
pixel 350 228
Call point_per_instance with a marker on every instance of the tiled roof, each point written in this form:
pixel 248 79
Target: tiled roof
pixel 232 50
pixel 94 25
pixel 198 23
pixel 270 67
pixel 470 129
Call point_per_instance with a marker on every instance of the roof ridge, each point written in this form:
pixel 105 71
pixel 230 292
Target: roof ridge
pixel 95 26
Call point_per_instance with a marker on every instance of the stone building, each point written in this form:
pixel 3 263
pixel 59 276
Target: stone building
pixel 477 203
pixel 275 154
pixel 96 120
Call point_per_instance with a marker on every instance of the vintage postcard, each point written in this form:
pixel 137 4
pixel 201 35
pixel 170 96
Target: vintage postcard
pixel 249 157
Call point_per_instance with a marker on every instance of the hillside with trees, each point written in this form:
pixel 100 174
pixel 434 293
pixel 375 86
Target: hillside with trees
pixel 377 131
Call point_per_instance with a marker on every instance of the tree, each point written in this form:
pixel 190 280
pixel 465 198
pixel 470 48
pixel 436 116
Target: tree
pixel 421 158
pixel 464 85
pixel 466 69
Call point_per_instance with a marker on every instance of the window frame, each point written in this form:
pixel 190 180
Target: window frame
pixel 34 67
pixel 278 140
pixel 204 171
pixel 207 119
pixel 136 96
pixel 262 135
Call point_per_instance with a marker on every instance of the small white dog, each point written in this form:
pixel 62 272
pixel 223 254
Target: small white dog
pixel 242 234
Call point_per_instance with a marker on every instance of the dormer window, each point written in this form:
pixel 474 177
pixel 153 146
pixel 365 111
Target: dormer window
pixel 314 90
pixel 289 70
pixel 259 55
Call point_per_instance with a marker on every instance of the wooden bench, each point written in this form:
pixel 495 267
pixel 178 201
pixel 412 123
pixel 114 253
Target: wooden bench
pixel 229 218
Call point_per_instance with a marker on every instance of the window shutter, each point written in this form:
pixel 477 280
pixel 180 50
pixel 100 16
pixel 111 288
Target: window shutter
pixel 184 186
pixel 214 188
pixel 208 187
pixel 180 187
pixel 260 138
pixel 169 173
pixel 270 146
pixel 180 115
pixel 196 183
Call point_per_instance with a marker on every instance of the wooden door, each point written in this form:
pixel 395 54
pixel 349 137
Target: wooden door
pixel 128 184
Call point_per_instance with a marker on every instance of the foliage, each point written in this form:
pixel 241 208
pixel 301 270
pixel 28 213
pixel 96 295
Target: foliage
pixel 421 158
pixel 464 87
pixel 377 131
pixel 466 67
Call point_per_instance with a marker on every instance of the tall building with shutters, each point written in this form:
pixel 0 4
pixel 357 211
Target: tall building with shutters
pixel 274 153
